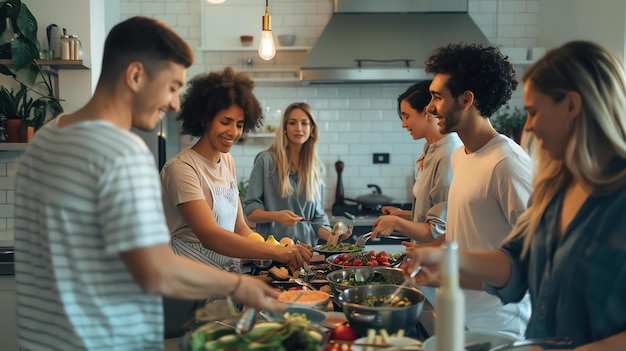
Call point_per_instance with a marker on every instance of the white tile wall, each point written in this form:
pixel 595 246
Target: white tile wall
pixel 355 120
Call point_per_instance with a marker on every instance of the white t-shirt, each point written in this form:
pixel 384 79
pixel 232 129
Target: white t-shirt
pixel 490 189
pixel 83 195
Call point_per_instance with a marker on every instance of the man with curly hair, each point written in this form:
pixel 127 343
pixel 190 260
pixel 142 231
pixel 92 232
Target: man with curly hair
pixel 492 175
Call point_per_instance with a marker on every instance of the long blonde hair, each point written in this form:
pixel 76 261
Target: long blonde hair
pixel 309 167
pixel 599 131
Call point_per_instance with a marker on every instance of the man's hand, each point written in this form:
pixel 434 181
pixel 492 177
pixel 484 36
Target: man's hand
pixel 383 226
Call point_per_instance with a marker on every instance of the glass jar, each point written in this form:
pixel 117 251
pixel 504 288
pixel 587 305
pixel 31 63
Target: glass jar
pixel 66 48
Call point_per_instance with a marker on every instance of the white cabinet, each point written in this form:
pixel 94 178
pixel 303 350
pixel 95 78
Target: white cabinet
pixel 8 302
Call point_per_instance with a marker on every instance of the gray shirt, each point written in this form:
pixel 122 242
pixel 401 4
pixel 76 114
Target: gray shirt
pixel 263 194
pixel 433 176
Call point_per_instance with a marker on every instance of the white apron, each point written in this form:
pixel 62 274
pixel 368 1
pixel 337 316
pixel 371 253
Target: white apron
pixel 225 205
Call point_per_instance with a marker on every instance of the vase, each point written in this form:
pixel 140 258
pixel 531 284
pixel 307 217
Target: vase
pixel 26 133
pixel 13 128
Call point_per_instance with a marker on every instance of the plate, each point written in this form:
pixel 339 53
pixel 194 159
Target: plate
pixel 339 248
pixel 404 342
pixel 473 336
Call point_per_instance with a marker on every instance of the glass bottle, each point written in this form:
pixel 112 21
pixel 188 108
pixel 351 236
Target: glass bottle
pixel 450 321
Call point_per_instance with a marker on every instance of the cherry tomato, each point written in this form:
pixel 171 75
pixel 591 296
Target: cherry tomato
pixel 372 253
pixel 336 260
pixel 382 253
pixel 369 263
pixel 333 347
pixel 358 262
pixel 343 332
pixel 374 263
pixel 344 257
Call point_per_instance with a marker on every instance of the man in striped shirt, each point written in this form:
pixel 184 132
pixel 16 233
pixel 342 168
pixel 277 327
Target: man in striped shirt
pixel 92 254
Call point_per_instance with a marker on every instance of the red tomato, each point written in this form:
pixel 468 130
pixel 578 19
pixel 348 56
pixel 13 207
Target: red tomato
pixel 333 347
pixel 369 263
pixel 293 288
pixel 343 332
pixel 382 253
pixel 373 263
pixel 336 260
pixel 344 257
pixel 358 262
pixel 372 253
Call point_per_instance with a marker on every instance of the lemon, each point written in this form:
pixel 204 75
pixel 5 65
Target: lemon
pixel 286 241
pixel 272 241
pixel 256 237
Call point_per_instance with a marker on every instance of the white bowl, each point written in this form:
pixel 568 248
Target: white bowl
pixel 287 39
pixel 474 336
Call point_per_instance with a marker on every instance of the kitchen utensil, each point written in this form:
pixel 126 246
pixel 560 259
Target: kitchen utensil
pixel 361 240
pixel 407 282
pixel 339 229
pixel 551 342
pixel 305 284
pixel 362 317
pixel 246 322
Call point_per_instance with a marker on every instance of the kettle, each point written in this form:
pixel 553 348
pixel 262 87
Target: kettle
pixel 54 40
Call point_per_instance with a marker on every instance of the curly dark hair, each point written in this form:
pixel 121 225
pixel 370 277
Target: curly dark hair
pixel 207 94
pixel 485 71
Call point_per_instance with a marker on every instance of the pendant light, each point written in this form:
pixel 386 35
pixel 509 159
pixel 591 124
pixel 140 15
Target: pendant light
pixel 267 48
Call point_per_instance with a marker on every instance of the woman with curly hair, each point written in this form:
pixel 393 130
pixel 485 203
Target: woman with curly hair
pixel 287 183
pixel 491 174
pixel 569 249
pixel 200 195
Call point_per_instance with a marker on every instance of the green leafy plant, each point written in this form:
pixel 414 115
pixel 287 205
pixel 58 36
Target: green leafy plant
pixel 508 119
pixel 23 49
pixel 243 187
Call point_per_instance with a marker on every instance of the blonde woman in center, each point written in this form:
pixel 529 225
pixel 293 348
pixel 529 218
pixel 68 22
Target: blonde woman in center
pixel 287 183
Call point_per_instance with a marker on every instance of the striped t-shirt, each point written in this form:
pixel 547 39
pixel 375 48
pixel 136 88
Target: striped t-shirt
pixel 83 194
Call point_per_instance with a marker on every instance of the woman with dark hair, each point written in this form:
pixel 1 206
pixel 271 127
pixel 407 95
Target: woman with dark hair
pixel 200 195
pixel 433 175
pixel 287 183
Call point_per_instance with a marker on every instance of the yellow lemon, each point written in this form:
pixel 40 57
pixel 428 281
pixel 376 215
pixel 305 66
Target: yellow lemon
pixel 286 241
pixel 272 241
pixel 256 237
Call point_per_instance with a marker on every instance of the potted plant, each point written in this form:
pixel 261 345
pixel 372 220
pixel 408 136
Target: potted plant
pixel 510 122
pixel 33 100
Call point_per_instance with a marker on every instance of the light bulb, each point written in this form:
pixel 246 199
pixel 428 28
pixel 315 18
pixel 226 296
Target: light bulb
pixel 267 48
pixel 215 1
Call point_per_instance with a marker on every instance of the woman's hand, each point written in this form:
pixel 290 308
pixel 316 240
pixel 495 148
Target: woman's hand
pixel 390 210
pixel 294 255
pixel 287 217
pixel 347 235
pixel 383 226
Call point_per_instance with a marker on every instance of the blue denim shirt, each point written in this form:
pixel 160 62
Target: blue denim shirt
pixel 578 284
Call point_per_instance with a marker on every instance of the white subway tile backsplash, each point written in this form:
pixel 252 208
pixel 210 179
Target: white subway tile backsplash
pixel 6 210
pixel 354 120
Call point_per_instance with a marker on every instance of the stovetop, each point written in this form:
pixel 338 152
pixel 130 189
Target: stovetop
pixel 364 211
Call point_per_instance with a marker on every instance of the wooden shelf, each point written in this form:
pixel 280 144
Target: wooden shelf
pixel 255 48
pixel 56 64
pixel 13 146
pixel 260 135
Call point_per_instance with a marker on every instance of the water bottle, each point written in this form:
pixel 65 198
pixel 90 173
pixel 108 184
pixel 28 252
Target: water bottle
pixel 450 320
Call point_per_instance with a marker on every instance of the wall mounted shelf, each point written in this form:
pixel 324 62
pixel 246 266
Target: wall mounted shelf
pixel 13 146
pixel 56 64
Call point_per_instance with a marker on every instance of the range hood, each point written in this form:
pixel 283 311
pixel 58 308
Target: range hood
pixel 378 41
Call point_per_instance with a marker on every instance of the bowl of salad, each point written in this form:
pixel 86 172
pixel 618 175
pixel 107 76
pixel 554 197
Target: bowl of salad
pixel 345 278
